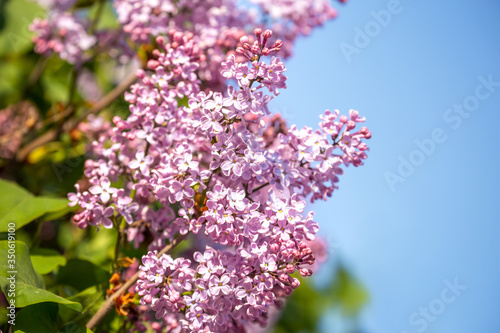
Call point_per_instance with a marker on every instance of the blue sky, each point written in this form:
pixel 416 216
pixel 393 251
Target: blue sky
pixel 441 223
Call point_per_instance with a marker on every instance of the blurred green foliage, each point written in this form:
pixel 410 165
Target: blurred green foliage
pixel 308 304
pixel 17 204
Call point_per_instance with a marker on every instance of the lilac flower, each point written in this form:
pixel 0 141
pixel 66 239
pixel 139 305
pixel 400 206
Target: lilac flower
pixel 237 200
pixel 104 190
pixel 196 316
pixel 220 285
pixel 268 262
pixel 181 189
pixel 246 290
pixel 74 198
pixel 102 215
pixel 207 271
pixel 233 163
pixel 263 281
pixel 237 98
pixel 186 162
pixel 279 207
pixel 222 168
pixel 217 103
pixel 125 207
pixel 195 298
pixel 64 34
pixel 228 67
pixel 142 162
pixel 149 132
pixel 285 173
pixel 310 229
pixel 211 122
pixel 284 230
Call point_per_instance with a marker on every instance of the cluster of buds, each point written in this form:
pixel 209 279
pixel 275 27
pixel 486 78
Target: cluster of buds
pixel 259 47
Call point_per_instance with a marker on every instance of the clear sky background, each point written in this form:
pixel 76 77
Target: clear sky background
pixel 442 222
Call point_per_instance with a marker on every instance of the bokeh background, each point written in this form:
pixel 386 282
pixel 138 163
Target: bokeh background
pixel 438 222
pixel 405 226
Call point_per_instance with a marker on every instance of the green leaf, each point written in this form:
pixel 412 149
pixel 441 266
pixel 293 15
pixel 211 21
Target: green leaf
pixel 108 19
pixel 15 37
pixel 81 274
pixel 58 214
pixel 55 87
pixel 37 318
pixel 20 266
pixel 4 312
pixel 183 101
pixel 18 207
pixel 91 299
pixel 14 74
pixel 98 247
pixel 74 328
pixel 46 260
pixel 27 295
pixel 27 289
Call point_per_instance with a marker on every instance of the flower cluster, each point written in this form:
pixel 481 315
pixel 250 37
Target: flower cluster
pixel 226 289
pixel 63 33
pixel 220 167
pixel 291 19
pixel 216 26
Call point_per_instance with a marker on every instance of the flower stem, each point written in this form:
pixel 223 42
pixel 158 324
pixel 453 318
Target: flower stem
pixel 118 245
pixel 258 188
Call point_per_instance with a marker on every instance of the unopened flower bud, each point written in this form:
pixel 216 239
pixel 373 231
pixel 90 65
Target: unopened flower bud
pixel 366 132
pixel 178 36
pixel 305 272
pixel 350 125
pixel 140 73
pixel 362 146
pixel 147 299
pixel 255 49
pixel 275 247
pixel 296 254
pixel 244 39
pixel 295 283
pixel 152 64
pixel 160 40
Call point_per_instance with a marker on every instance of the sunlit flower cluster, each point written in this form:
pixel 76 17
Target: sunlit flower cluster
pixel 218 166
